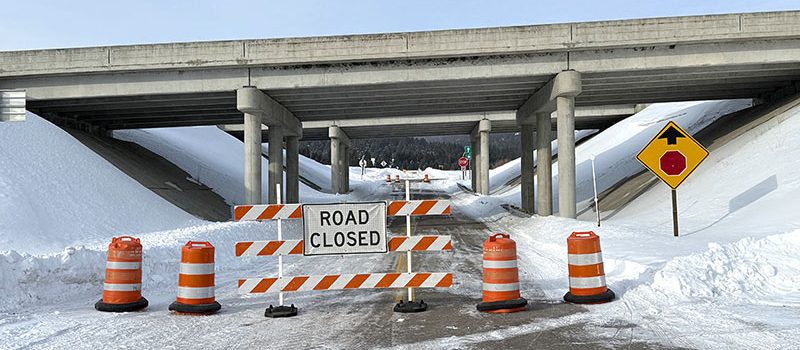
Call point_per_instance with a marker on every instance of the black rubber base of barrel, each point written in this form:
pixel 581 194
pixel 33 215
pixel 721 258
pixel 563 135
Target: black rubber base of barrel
pixel 503 305
pixel 202 309
pixel 280 311
pixel 134 306
pixel 590 299
pixel 412 306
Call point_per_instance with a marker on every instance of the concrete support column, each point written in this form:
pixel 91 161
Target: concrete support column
pixel 340 150
pixel 275 134
pixel 258 109
pixel 252 159
pixel 484 127
pixel 473 163
pixel 335 166
pixel 544 161
pixel 526 165
pixel 557 95
pixel 292 169
pixel 346 168
pixel 565 120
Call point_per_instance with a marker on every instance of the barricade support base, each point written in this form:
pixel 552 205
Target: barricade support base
pixel 411 306
pixel 505 306
pixel 202 309
pixel 590 299
pixel 127 307
pixel 280 311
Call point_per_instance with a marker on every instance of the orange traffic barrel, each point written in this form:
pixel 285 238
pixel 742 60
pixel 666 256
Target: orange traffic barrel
pixel 501 276
pixel 397 178
pixel 388 178
pixel 587 279
pixel 426 178
pixel 196 280
pixel 122 290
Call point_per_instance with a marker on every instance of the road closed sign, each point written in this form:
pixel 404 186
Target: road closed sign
pixel 346 228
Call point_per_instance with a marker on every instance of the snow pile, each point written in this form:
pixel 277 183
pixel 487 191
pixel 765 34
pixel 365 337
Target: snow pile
pixel 748 271
pixel 27 279
pixel 55 192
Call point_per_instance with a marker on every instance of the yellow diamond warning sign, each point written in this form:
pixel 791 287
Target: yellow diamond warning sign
pixel 672 155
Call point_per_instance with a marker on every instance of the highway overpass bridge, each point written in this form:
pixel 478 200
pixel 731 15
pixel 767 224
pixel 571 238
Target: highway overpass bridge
pixel 531 72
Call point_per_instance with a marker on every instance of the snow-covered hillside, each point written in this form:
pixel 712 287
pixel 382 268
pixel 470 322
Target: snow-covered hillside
pixel 615 148
pixel 55 192
pixel 216 159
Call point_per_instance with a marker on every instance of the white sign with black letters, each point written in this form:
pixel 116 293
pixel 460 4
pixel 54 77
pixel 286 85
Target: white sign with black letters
pixel 346 228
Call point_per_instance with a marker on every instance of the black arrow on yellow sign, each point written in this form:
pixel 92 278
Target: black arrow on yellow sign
pixel 672 135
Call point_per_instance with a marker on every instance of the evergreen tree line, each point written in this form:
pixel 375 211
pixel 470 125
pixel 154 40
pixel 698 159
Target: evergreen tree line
pixel 416 152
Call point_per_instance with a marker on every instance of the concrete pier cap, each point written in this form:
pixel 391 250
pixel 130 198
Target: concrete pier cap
pixel 335 132
pixel 564 84
pixel 251 100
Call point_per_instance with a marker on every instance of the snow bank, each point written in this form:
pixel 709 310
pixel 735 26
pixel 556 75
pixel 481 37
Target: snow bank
pixel 55 192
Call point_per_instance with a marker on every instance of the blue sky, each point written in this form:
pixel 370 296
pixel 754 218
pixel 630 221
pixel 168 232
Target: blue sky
pixel 32 24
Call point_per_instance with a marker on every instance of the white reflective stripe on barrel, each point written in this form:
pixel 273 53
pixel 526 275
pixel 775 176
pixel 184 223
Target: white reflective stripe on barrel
pixel 119 287
pixel 122 265
pixel 501 287
pixel 585 259
pixel 195 292
pixel 500 264
pixel 587 282
pixel 196 269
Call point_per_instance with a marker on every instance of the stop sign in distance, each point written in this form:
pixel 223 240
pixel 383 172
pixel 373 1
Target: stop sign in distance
pixel 672 163
pixel 462 162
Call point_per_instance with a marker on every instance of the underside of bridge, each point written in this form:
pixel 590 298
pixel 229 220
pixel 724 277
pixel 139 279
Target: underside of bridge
pixel 515 79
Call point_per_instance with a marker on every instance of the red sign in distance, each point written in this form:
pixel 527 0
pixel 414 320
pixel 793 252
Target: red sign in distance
pixel 462 162
pixel 672 163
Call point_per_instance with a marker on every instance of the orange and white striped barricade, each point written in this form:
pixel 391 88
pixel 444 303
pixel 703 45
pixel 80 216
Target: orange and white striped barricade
pixel 122 288
pixel 409 208
pixel 501 276
pixel 196 280
pixel 282 247
pixel 587 279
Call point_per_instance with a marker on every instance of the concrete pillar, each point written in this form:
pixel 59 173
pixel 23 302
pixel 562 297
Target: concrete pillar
pixel 476 172
pixel 340 144
pixel 526 165
pixel 544 161
pixel 252 159
pixel 335 164
pixel 473 164
pixel 292 169
pixel 275 134
pixel 484 127
pixel 565 120
pixel 346 168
